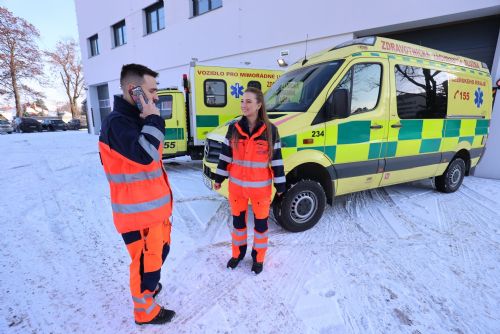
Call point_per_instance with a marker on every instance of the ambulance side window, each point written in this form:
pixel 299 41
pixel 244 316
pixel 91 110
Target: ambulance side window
pixel 165 106
pixel 363 83
pixel 254 84
pixel 421 93
pixel 215 93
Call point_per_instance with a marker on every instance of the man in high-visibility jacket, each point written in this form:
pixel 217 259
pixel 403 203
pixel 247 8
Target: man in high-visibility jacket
pixel 130 146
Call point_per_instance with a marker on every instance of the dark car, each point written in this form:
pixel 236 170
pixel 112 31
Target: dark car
pixel 74 124
pixel 26 124
pixel 54 124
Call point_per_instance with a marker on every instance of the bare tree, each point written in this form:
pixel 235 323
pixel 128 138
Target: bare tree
pixel 65 60
pixel 20 58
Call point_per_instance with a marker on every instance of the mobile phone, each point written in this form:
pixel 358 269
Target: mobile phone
pixel 135 93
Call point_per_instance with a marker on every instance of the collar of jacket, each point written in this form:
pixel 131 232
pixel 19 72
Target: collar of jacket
pixel 243 129
pixel 124 107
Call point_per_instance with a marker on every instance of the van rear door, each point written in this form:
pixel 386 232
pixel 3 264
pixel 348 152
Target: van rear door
pixel 172 110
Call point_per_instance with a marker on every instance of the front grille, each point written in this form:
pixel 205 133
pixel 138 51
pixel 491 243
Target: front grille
pixel 212 151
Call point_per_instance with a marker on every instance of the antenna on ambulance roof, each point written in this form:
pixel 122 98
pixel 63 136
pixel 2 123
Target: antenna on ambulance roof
pixel 305 54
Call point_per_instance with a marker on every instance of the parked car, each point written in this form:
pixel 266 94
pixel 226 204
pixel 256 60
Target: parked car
pixel 5 127
pixel 26 124
pixel 54 124
pixel 74 124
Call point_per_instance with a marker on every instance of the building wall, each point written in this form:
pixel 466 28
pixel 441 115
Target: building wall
pixel 240 27
pixel 252 33
pixel 490 161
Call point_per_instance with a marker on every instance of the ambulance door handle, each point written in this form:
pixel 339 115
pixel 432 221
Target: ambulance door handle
pixel 378 126
pixel 397 126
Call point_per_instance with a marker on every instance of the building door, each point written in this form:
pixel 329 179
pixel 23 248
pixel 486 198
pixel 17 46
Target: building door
pixel 478 38
pixel 104 102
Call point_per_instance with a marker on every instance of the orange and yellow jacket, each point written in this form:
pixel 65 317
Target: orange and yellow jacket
pixel 131 154
pixel 246 162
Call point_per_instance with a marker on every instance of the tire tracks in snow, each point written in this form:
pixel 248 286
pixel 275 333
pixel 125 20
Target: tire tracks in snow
pixel 79 249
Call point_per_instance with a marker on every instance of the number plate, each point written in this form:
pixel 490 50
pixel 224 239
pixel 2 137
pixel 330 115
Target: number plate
pixel 207 181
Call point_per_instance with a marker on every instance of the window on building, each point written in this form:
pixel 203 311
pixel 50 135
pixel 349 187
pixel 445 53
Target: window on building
pixel 94 45
pixel 363 81
pixel 203 6
pixel 164 104
pixel 119 34
pixel 215 93
pixel 420 92
pixel 155 17
pixel 104 103
pixel 254 84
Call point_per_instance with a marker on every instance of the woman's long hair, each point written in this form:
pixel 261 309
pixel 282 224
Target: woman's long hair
pixel 262 116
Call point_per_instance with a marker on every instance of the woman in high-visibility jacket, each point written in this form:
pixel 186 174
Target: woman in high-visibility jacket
pixel 251 159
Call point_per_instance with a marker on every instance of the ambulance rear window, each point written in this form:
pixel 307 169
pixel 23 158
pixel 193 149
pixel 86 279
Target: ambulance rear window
pixel 215 93
pixel 165 106
pixel 421 93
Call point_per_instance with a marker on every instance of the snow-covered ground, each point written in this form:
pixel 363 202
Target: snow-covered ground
pixel 402 259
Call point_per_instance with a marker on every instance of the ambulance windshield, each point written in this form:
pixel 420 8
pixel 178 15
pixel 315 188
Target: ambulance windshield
pixel 296 91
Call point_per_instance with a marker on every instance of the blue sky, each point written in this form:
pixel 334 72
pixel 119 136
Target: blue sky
pixel 56 20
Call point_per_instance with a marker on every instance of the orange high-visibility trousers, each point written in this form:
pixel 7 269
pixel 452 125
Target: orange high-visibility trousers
pixel 148 250
pixel 239 208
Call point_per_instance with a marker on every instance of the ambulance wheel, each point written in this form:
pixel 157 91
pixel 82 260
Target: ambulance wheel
pixel 452 177
pixel 300 207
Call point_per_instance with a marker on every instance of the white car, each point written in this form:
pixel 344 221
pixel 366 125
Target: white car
pixel 5 127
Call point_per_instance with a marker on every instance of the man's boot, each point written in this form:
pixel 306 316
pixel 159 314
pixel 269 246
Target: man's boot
pixel 162 317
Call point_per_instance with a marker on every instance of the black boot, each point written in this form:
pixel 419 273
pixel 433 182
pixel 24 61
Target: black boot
pixel 233 262
pixel 158 289
pixel 257 267
pixel 162 317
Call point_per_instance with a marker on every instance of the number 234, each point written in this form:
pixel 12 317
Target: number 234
pixel 318 133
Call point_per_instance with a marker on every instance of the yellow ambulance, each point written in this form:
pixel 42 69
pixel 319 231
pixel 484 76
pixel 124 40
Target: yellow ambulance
pixel 210 97
pixel 368 113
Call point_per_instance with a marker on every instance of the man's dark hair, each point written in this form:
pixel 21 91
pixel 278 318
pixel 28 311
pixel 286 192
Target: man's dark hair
pixel 134 73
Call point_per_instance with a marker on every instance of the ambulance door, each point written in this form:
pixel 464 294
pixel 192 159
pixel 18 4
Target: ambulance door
pixel 357 138
pixel 172 110
pixel 418 110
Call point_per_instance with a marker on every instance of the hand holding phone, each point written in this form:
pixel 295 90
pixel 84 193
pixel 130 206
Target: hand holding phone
pixel 142 102
pixel 135 94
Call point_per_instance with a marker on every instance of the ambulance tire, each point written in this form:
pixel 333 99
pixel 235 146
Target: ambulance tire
pixel 300 207
pixel 452 177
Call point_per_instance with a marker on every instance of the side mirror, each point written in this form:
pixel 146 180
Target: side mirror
pixel 338 104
